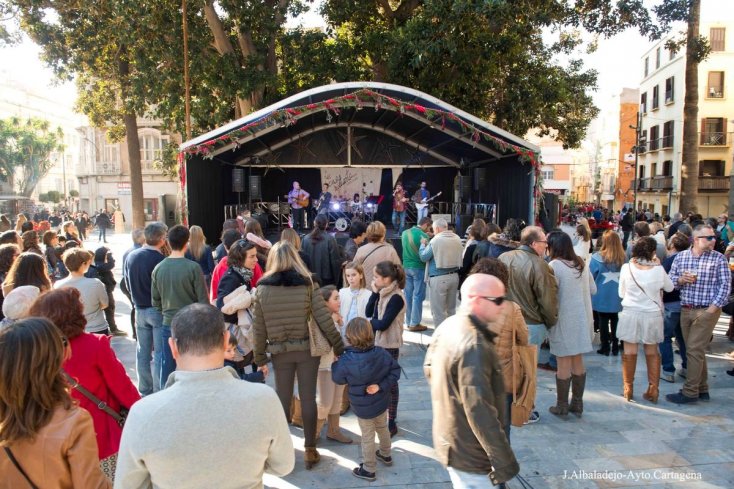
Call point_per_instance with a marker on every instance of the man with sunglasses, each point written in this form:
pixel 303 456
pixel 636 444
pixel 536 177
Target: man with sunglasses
pixel 702 275
pixel 467 389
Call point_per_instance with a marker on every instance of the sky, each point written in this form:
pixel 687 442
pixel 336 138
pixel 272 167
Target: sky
pixel 617 60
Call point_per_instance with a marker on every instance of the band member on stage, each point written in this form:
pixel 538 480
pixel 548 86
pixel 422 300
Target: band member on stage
pixel 421 196
pixel 298 200
pixel 399 201
pixel 324 200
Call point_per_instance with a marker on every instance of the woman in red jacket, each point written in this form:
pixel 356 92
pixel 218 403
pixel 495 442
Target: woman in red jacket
pixel 94 365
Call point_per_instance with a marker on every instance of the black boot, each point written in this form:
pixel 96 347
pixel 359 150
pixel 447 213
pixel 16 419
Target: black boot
pixel 615 347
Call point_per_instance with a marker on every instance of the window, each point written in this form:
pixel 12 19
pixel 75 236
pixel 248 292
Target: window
pixel 715 88
pixel 711 168
pixel 547 173
pixel 655 97
pixel 647 65
pixel 712 131
pixel 109 153
pixel 643 141
pixel 653 169
pixel 671 55
pixel 668 134
pixel 654 138
pixel 667 168
pixel 151 146
pixel 717 37
pixel 642 172
pixel 657 58
pixel 150 207
pixel 643 103
pixel 669 89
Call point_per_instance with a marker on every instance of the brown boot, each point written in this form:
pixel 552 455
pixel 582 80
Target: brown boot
pixel 629 364
pixel 319 426
pixel 578 384
pixel 345 403
pixel 334 433
pixel 311 457
pixel 561 407
pixel 653 378
pixel 296 418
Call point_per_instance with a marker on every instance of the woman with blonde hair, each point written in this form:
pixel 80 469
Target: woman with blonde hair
pixel 606 303
pixel 48 440
pixel 582 246
pixel 286 299
pixel 375 250
pixel 19 223
pixel 290 235
pixel 201 253
pixel 70 232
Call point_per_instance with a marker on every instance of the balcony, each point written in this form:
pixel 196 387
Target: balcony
pixel 107 168
pixel 661 183
pixel 713 183
pixel 715 92
pixel 643 184
pixel 713 139
pixel 667 141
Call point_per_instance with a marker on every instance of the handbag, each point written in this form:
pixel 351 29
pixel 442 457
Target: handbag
pixel 317 342
pixel 524 359
pixel 20 469
pixel 119 417
pixel 729 306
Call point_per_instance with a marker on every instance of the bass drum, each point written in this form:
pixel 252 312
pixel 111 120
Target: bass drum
pixel 342 224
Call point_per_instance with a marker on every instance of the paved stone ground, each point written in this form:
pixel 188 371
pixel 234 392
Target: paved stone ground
pixel 642 445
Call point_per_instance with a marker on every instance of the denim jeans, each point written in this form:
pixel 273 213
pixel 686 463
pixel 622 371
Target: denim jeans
pixel 672 321
pixel 538 334
pixel 421 214
pixel 168 364
pixel 103 233
pixel 148 323
pixel 398 217
pixel 415 293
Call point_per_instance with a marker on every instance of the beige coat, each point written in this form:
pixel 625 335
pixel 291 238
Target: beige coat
pixel 371 254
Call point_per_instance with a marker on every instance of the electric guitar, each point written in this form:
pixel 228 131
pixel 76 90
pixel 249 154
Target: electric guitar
pixel 420 205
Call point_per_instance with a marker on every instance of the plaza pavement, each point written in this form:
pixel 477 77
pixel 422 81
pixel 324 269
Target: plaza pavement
pixel 639 444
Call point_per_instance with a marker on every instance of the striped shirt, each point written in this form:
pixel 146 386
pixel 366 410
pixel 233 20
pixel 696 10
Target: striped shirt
pixel 713 279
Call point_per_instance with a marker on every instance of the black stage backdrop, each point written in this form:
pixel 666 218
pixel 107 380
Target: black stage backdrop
pixel 209 185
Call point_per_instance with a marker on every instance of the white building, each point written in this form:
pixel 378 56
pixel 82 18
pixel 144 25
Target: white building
pixel 662 93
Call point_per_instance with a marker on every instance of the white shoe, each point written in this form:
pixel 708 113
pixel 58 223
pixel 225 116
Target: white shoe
pixel 534 418
pixel 683 372
pixel 668 377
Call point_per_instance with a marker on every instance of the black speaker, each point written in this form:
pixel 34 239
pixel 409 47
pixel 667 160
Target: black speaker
pixel 256 187
pixel 238 180
pixel 480 178
pixel 463 221
pixel 465 187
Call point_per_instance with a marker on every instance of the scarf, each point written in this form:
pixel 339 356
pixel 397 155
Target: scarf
pixel 645 263
pixel 246 274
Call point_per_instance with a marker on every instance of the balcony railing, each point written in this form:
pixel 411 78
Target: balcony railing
pixel 713 183
pixel 667 141
pixel 654 144
pixel 108 168
pixel 713 139
pixel 715 92
pixel 661 183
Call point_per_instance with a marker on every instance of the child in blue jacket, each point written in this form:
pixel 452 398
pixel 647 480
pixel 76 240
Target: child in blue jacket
pixel 369 372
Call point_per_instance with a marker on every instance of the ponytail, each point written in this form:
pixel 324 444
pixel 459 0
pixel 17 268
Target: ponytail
pixel 392 271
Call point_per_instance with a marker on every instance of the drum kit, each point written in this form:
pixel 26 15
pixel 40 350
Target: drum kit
pixel 342 212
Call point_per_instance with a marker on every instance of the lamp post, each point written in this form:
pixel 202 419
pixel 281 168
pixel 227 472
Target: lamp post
pixel 638 132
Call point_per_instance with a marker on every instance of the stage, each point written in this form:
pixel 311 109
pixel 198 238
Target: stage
pixel 361 139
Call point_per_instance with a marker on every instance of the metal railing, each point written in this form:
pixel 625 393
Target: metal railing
pixel 712 138
pixel 713 183
pixel 661 183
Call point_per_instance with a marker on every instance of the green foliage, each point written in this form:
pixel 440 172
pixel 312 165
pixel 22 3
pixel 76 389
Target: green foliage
pixel 9 32
pixel 73 193
pixel 26 146
pixel 51 196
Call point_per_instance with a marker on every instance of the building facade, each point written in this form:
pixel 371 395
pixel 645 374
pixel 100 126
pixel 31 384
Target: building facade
pixel 662 93
pixel 104 173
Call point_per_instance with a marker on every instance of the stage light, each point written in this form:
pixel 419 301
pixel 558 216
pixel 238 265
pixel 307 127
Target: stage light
pixel 335 206
pixel 369 206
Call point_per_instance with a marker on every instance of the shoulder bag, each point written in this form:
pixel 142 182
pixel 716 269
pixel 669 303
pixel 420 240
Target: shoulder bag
pixel 119 417
pixel 662 309
pixel 20 469
pixel 524 360
pixel 317 342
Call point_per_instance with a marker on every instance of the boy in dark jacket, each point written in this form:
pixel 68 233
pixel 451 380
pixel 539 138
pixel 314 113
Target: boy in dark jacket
pixel 102 269
pixel 369 372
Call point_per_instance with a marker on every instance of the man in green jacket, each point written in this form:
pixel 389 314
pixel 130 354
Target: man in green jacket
pixel 415 270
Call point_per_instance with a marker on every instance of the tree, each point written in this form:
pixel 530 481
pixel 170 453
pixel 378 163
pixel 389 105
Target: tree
pixel 697 50
pixel 26 147
pixel 98 44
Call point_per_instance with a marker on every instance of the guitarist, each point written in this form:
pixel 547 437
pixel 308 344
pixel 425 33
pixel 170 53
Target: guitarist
pixel 324 201
pixel 421 196
pixel 399 202
pixel 298 200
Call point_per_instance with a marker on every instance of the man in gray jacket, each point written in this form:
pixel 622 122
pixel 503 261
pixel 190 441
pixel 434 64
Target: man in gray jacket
pixel 467 391
pixel 208 428
pixel 443 255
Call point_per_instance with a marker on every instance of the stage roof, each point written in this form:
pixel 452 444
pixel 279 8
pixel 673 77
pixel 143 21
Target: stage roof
pixel 361 124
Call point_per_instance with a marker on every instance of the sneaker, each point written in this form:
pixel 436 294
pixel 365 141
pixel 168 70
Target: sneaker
pixel 417 328
pixel 683 372
pixel 360 473
pixel 730 372
pixel 704 396
pixel 668 377
pixel 118 332
pixel 385 460
pixel 534 418
pixel 680 398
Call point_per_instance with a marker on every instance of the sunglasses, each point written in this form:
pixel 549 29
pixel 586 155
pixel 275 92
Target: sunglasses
pixel 708 238
pixel 497 300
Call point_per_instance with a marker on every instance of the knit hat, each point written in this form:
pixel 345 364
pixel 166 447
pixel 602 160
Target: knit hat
pixel 18 301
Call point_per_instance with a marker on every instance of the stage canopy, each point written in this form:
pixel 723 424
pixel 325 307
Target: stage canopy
pixel 360 125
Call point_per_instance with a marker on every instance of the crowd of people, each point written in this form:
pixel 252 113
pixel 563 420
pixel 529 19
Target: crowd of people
pixel 327 321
